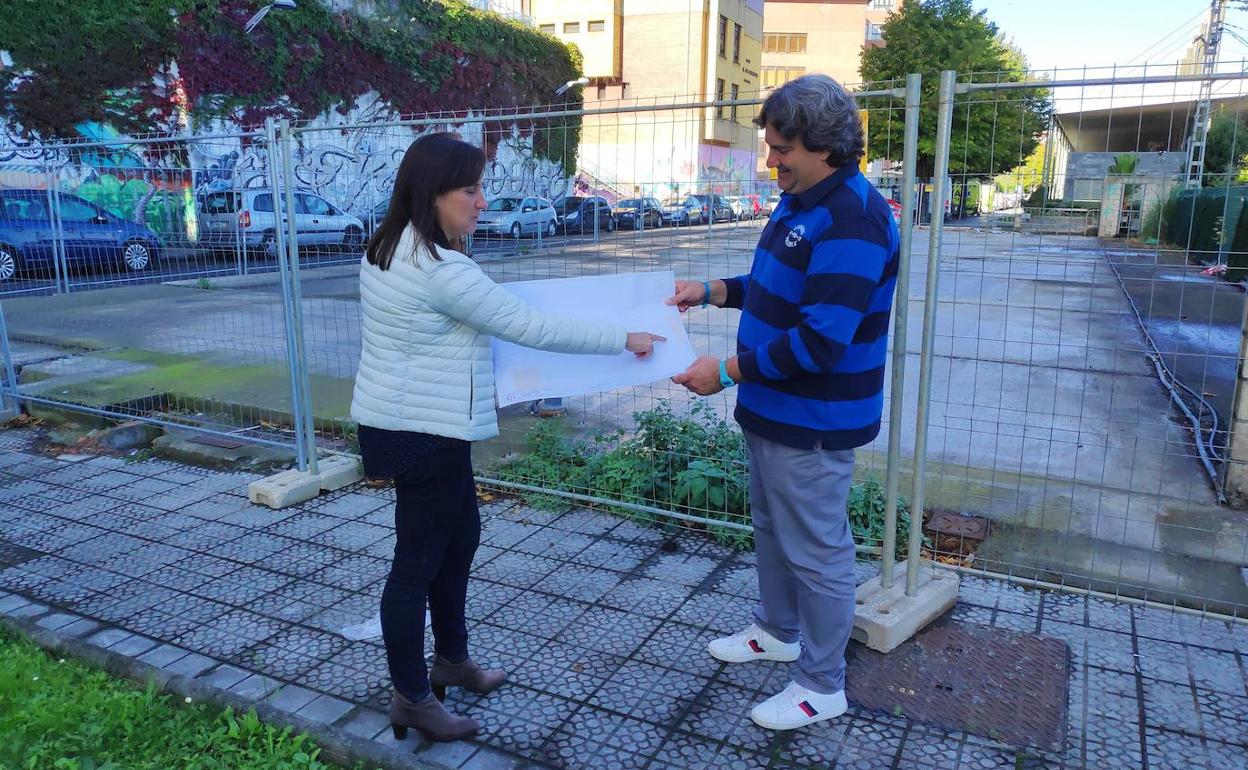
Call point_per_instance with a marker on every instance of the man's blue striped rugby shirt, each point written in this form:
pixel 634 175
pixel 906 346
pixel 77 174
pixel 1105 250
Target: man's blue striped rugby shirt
pixel 814 328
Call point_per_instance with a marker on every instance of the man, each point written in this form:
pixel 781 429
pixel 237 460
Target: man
pixel 811 346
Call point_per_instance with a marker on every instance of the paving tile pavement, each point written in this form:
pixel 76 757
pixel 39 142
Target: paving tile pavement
pixel 603 631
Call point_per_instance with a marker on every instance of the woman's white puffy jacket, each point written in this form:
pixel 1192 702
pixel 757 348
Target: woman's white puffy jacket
pixel 426 364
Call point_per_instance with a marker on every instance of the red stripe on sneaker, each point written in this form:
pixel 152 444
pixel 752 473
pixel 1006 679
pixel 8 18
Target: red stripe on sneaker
pixel 754 645
pixel 807 709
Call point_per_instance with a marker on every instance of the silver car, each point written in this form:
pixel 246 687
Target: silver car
pixel 228 217
pixel 517 217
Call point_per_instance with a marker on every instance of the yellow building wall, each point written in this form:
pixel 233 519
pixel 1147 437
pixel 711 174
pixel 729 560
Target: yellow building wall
pixel 664 51
pixel 836 31
pixel 600 48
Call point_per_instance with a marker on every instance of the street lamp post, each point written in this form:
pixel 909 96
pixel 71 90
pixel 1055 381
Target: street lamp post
pixel 578 82
pixel 251 24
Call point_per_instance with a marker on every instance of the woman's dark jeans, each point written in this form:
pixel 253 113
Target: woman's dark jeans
pixel 438 528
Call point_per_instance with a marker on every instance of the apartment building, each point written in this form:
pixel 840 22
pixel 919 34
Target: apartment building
pixel 827 36
pixel 664 51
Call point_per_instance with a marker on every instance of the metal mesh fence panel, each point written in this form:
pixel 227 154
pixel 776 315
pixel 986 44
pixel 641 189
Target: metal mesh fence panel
pixel 1075 413
pixel 139 285
pixel 1082 419
pixel 626 187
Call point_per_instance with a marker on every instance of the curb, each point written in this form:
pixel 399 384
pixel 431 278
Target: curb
pixel 337 746
pixel 266 278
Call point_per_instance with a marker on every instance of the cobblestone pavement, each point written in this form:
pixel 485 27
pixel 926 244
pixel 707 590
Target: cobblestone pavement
pixel 603 630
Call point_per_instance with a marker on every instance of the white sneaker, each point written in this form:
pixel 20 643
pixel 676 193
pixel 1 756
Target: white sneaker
pixel 753 644
pixel 795 707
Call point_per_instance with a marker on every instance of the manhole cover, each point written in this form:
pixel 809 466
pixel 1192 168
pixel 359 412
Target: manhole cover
pixel 1002 685
pixel 12 554
pixel 218 441
pixel 945 522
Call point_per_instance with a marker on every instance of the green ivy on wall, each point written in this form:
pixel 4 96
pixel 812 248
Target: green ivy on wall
pixel 114 63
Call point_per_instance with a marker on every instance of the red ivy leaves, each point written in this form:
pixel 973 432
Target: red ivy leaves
pixel 299 64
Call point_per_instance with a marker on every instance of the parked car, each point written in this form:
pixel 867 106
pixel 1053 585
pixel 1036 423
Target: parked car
pixel 895 207
pixel 772 202
pixel 517 217
pixel 373 218
pixel 744 206
pixel 576 213
pixel 227 216
pixel 718 206
pixel 639 213
pixel 89 235
pixel 681 213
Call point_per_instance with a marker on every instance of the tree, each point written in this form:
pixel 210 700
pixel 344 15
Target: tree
pixel 1028 175
pixel 1124 163
pixel 77 62
pixel 993 131
pixel 1226 149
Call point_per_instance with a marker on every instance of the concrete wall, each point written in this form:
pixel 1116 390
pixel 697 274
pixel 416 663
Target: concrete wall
pixel 1085 171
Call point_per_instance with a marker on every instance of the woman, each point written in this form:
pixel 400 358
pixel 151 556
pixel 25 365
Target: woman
pixel 423 393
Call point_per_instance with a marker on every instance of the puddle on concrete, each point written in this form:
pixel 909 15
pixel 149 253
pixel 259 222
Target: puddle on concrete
pixel 1214 339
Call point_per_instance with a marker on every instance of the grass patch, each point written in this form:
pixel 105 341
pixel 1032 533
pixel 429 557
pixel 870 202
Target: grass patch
pixel 62 715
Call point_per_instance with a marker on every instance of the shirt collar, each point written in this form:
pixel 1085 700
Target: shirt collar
pixel 811 197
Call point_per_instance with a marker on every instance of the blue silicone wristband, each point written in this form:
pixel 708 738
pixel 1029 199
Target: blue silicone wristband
pixel 724 379
pixel 706 299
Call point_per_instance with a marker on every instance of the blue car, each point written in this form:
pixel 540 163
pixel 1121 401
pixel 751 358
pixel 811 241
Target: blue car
pixel 91 236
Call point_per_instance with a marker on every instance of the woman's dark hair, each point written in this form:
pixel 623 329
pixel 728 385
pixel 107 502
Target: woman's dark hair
pixel 434 164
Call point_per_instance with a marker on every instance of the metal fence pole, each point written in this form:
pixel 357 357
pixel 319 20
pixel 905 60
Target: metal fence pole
pixel 944 124
pixel 296 296
pixel 60 262
pixel 909 163
pixel 240 245
pixel 8 383
pixel 288 315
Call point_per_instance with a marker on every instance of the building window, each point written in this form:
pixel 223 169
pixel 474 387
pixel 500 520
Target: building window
pixel 719 97
pixel 571 27
pixel 736 42
pixel 874 31
pixel 549 29
pixel 784 42
pixel 736 92
pixel 883 5
pixel 597 26
pixel 723 35
pixel 1088 189
pixel 774 76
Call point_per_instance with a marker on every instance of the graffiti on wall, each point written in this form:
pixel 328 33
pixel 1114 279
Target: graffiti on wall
pixel 143 182
pixel 160 182
pixel 725 171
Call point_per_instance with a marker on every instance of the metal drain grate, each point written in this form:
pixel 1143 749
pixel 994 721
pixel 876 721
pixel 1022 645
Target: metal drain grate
pixel 957 524
pixel 1002 685
pixel 12 554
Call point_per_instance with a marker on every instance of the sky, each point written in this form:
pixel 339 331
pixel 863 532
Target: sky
pixel 1069 33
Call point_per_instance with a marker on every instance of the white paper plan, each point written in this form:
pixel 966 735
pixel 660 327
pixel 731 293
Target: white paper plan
pixel 635 300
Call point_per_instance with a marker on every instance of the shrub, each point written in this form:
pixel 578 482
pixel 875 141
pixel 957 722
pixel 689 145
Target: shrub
pixel 693 464
pixel 1157 218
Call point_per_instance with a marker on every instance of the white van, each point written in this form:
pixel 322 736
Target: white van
pixel 228 216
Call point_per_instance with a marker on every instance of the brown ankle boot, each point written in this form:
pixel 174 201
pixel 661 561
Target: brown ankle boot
pixel 467 674
pixel 430 718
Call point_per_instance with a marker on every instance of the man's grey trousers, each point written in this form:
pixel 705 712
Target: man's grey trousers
pixel 805 554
